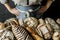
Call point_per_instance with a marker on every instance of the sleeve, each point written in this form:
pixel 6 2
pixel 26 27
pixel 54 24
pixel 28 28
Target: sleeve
pixel 3 1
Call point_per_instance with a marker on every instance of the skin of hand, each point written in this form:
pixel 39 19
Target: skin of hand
pixel 44 8
pixel 12 10
pixel 15 11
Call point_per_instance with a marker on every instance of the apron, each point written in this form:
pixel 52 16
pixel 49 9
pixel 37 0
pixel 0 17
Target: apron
pixel 28 11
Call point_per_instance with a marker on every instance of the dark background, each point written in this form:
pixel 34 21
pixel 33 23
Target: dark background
pixel 52 12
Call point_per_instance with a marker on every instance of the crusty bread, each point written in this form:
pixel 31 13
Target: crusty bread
pixel 2 25
pixel 34 34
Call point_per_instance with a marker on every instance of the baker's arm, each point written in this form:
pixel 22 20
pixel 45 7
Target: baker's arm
pixel 44 8
pixel 11 9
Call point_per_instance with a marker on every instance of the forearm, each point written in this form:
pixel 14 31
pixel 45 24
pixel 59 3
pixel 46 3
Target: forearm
pixel 7 5
pixel 45 7
pixel 48 4
pixel 11 9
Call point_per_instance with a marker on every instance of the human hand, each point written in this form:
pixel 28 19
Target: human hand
pixel 15 11
pixel 43 9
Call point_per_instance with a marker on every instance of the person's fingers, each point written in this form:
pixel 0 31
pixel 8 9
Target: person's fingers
pixel 17 12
